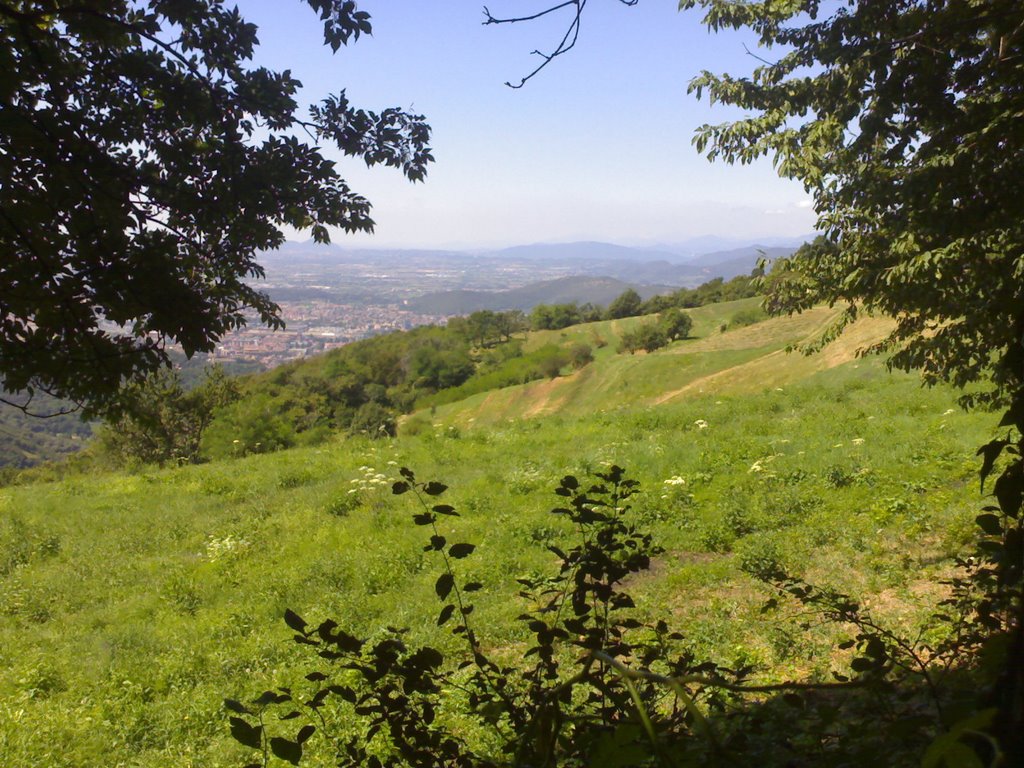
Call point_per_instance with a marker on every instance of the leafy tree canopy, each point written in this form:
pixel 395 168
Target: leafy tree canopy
pixel 627 304
pixel 902 119
pixel 163 422
pixel 675 323
pixel 144 161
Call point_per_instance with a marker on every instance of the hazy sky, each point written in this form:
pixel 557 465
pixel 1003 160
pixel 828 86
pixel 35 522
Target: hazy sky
pixel 596 147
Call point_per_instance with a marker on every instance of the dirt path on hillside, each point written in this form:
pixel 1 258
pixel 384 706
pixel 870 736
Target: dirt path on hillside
pixel 544 396
pixel 732 375
pixel 757 373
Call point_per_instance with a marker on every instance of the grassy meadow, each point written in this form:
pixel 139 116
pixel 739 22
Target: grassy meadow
pixel 131 605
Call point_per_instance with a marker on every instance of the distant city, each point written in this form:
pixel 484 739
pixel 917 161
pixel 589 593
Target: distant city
pixel 313 327
pixel 331 296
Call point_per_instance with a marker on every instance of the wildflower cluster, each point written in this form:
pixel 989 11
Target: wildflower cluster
pixel 225 546
pixel 760 467
pixel 676 490
pixel 371 480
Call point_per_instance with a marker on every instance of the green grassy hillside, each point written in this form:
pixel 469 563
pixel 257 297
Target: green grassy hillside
pixel 131 605
pixel 739 361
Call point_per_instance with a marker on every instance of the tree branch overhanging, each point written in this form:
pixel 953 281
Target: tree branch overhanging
pixel 566 44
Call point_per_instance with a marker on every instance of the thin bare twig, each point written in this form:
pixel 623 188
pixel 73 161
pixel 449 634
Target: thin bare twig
pixel 568 41
pixel 759 58
pixel 24 408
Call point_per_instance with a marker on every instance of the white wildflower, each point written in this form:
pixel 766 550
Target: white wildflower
pixel 858 441
pixel 700 424
pixel 217 548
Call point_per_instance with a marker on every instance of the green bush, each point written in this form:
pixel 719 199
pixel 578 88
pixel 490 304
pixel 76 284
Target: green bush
pixel 675 323
pixel 581 355
pixel 373 420
pixel 747 317
pixel 647 337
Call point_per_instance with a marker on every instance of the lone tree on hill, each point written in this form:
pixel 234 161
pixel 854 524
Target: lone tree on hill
pixel 676 323
pixel 144 162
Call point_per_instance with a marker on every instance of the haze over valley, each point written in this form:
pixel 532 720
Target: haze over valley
pixel 332 295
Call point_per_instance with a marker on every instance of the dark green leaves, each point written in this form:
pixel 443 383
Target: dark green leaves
pixel 286 750
pixel 294 621
pixel 139 189
pixel 426 657
pixel 236 706
pixel 444 584
pixel 342 22
pixel 243 733
pixel 1009 489
pixel 458 551
pixel 991 452
pixel 990 524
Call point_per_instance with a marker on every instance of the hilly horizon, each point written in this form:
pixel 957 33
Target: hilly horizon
pixel 577 252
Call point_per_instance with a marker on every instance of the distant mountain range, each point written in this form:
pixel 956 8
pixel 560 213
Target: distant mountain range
pixel 584 271
pixel 604 272
pixel 705 252
pixel 681 256
pixel 581 251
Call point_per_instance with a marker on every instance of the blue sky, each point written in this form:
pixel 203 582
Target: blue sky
pixel 596 147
